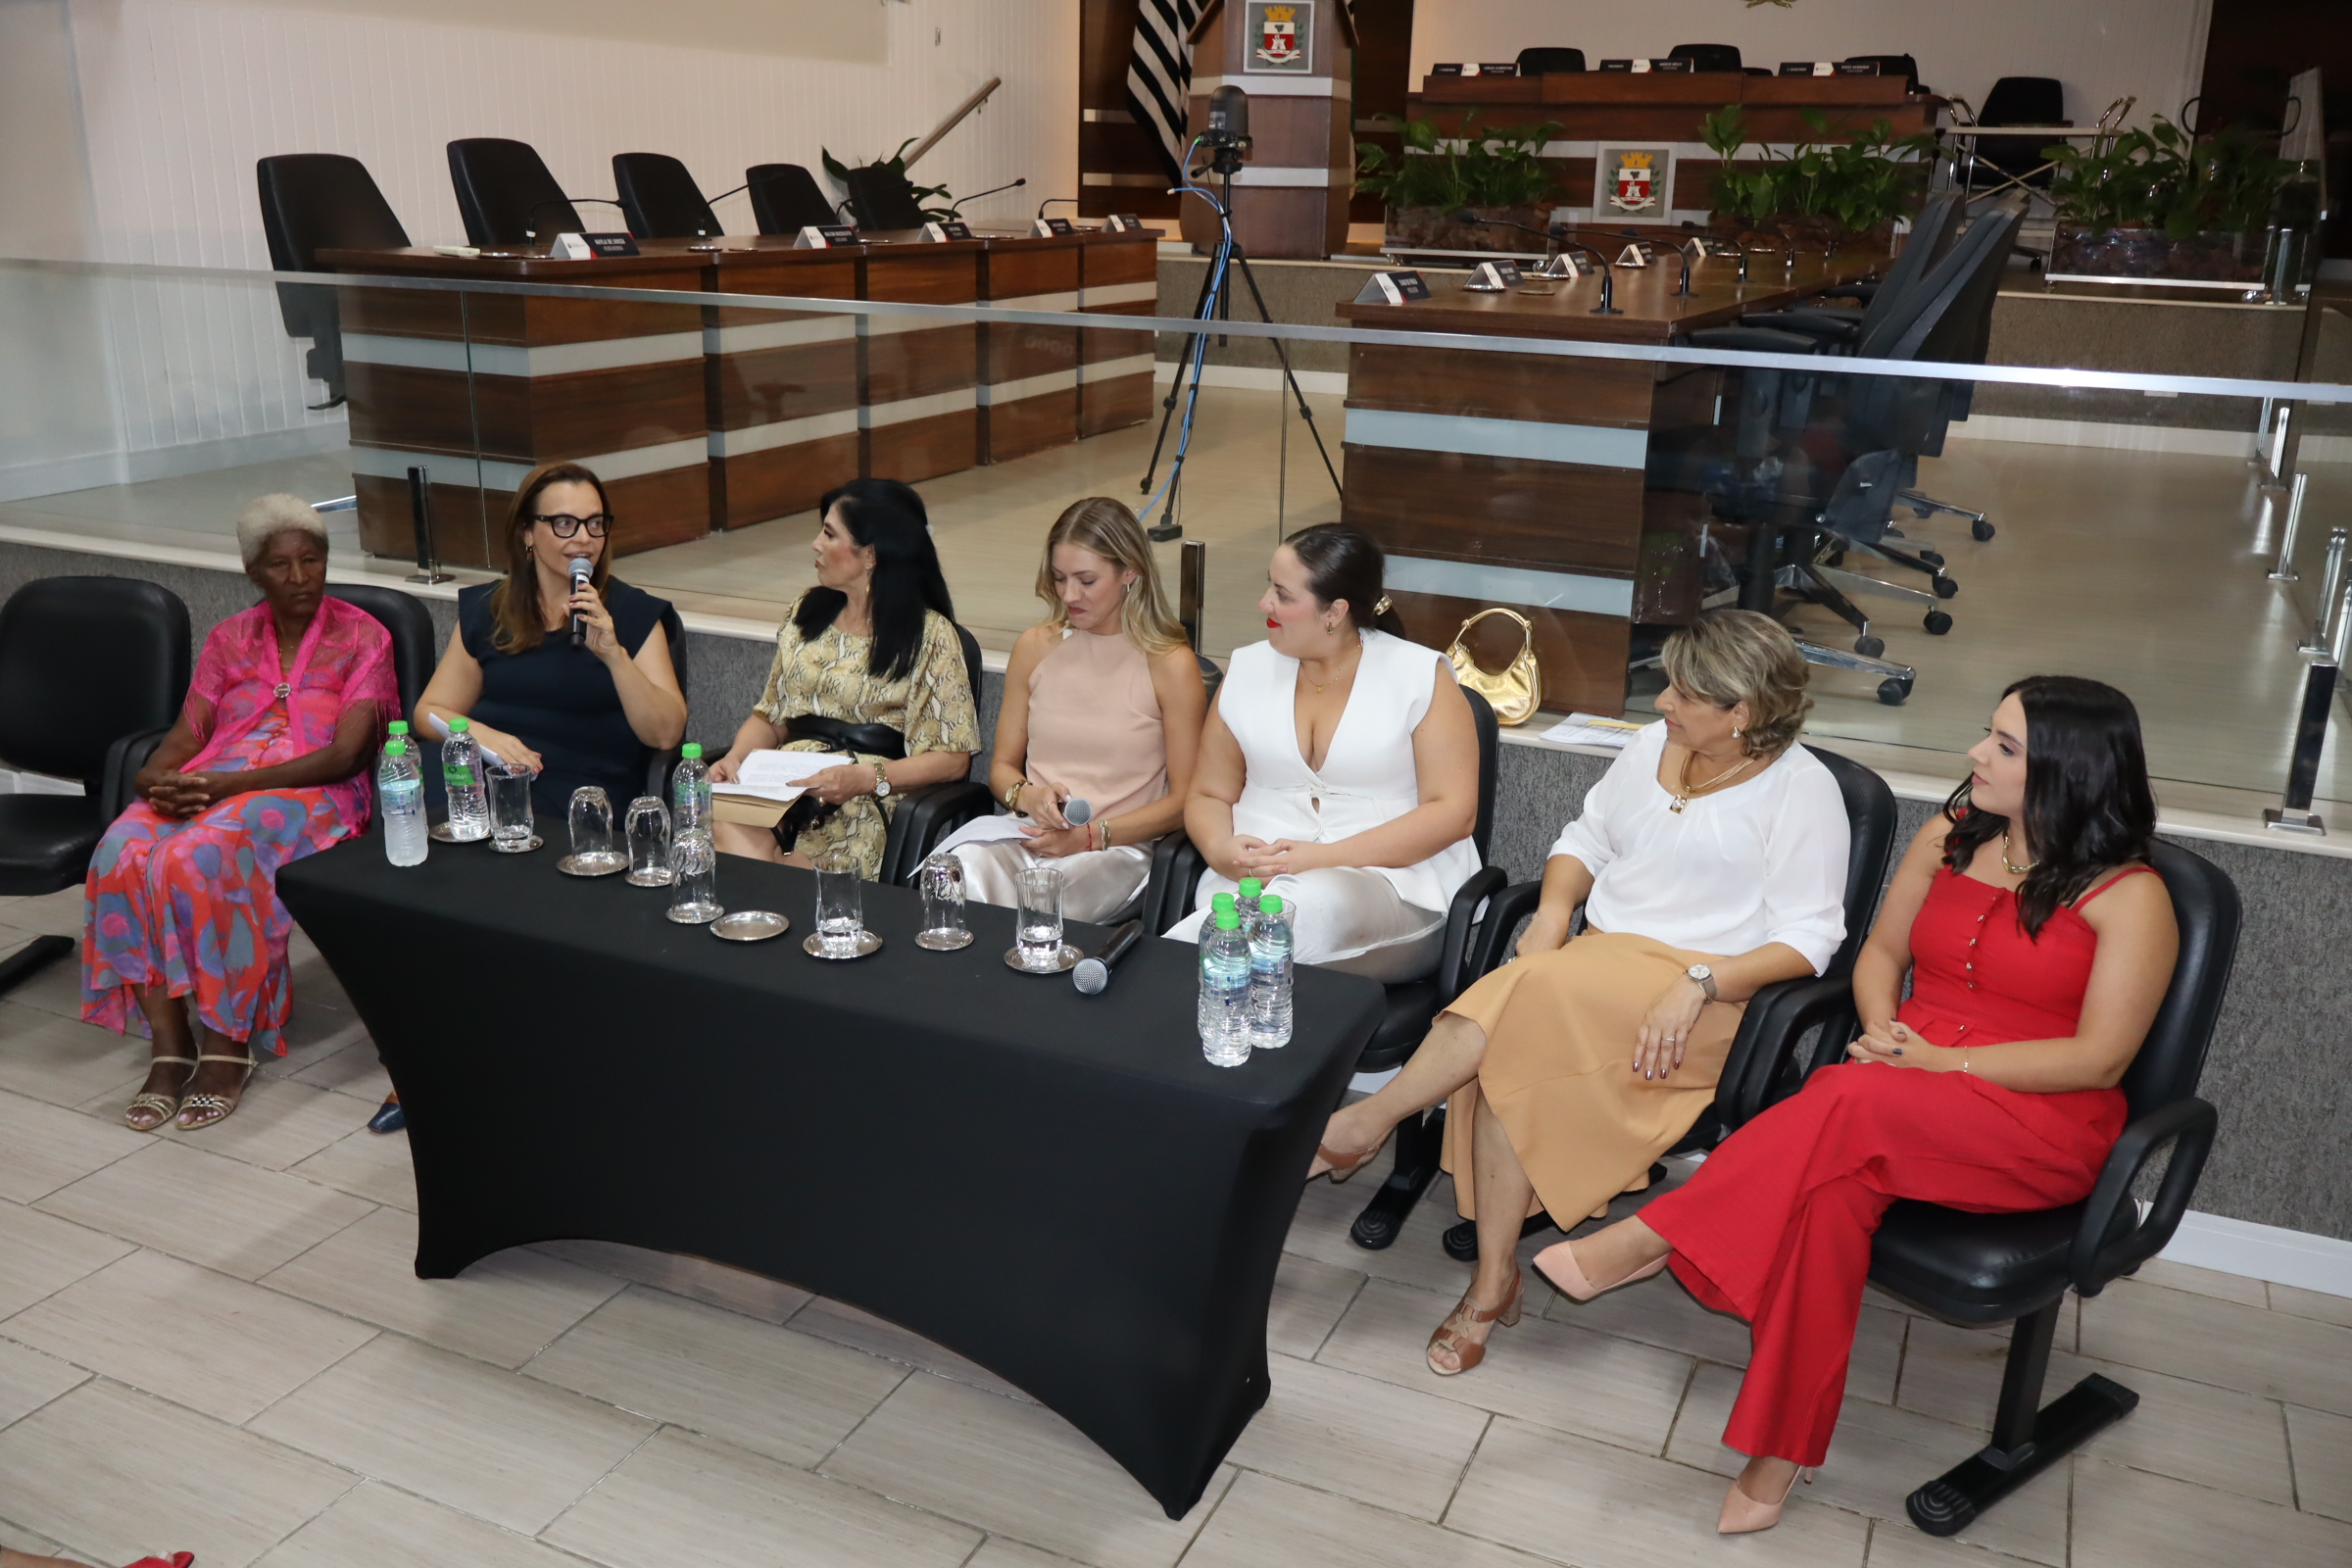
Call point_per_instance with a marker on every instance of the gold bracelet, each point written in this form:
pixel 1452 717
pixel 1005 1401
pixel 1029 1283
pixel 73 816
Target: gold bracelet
pixel 1102 834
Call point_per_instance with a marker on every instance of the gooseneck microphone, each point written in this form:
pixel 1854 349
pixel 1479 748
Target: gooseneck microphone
pixel 580 571
pixel 958 204
pixel 530 220
pixel 1092 974
pixel 1558 235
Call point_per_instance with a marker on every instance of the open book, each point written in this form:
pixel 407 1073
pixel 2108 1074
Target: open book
pixel 768 782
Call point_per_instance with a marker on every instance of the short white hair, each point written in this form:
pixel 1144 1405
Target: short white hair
pixel 267 516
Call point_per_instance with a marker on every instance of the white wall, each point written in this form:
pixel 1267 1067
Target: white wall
pixel 2101 52
pixel 178 98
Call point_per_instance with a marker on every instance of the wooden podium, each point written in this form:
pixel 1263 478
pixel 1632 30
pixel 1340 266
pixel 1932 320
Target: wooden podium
pixel 1296 59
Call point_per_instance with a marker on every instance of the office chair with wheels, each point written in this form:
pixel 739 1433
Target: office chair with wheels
pixel 1826 1000
pixel 1837 328
pixel 313 202
pixel 929 812
pixel 1982 1269
pixel 506 194
pixel 786 199
pixel 1413 1004
pixel 87 666
pixel 658 198
pixel 2021 101
pixel 1546 62
pixel 1708 57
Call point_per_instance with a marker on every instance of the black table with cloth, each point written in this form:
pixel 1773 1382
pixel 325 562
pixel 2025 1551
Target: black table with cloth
pixel 1058 1187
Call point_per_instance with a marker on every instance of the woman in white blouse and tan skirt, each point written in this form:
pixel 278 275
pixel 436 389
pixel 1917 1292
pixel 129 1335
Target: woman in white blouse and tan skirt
pixel 1340 768
pixel 1710 861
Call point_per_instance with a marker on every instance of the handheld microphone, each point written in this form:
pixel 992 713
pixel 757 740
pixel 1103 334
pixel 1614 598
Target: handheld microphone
pixel 1092 974
pixel 1076 812
pixel 581 571
pixel 957 205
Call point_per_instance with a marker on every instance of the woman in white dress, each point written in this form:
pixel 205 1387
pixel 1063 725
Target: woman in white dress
pixel 1103 704
pixel 1340 768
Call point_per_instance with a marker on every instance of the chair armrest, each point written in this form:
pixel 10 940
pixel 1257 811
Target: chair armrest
pixel 119 784
pixel 1752 340
pixel 1822 327
pixel 927 814
pixel 1178 875
pixel 1461 919
pixel 1777 1018
pixel 2094 1260
pixel 1504 910
pixel 1865 291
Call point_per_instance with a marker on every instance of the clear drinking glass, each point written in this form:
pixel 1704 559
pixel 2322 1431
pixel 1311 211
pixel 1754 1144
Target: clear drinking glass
pixel 594 848
pixel 509 789
pixel 840 907
pixel 1039 928
pixel 649 843
pixel 694 879
pixel 941 879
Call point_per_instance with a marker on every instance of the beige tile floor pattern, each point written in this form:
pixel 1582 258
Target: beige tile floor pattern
pixel 217 1343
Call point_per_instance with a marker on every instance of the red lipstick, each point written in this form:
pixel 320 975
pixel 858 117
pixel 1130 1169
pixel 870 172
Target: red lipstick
pixel 1272 624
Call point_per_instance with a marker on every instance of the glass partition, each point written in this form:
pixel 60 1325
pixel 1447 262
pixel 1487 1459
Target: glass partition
pixel 1931 530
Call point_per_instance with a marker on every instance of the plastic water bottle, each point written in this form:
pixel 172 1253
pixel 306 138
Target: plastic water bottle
pixel 690 791
pixel 400 795
pixel 462 781
pixel 1270 974
pixel 1222 903
pixel 1225 991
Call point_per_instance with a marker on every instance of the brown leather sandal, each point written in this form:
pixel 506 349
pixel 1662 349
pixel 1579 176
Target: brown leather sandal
pixel 1468 1352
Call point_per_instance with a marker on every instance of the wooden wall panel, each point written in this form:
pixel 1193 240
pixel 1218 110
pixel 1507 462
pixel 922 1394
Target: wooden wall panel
pixel 928 275
pixel 916 365
pixel 1034 266
pixel 766 385
pixel 1549 389
pixel 1114 405
pixel 759 486
pixel 387 524
pixel 1511 512
pixel 925 449
pixel 1030 425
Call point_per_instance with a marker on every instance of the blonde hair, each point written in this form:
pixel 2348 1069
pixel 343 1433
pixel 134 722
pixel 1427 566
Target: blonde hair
pixel 1730 656
pixel 1109 529
pixel 267 516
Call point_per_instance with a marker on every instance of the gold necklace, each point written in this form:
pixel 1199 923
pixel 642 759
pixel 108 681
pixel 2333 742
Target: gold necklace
pixel 1318 685
pixel 1684 798
pixel 2009 865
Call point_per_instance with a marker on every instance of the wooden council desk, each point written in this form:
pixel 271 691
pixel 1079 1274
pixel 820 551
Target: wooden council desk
pixel 709 416
pixel 1497 478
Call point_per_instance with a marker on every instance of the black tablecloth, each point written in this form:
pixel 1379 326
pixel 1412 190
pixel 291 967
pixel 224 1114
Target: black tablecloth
pixel 1058 1187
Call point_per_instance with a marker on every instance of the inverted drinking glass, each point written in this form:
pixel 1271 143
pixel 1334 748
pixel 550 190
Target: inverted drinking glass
pixel 694 879
pixel 941 879
pixel 595 848
pixel 649 843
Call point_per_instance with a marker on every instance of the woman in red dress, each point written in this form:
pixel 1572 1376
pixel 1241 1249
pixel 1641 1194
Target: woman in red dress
pixel 2039 945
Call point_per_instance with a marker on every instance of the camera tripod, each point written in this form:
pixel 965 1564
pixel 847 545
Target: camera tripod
pixel 1216 304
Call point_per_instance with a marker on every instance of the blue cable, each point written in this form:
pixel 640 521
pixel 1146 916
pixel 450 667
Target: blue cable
pixel 1218 266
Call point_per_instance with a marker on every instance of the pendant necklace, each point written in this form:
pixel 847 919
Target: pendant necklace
pixel 1683 798
pixel 2009 865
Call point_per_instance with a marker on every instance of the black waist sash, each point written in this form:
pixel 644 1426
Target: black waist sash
pixel 871 740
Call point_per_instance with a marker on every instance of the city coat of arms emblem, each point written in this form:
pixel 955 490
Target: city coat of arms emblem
pixel 1280 36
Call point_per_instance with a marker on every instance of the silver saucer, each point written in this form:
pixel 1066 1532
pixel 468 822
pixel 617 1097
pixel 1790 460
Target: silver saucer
pixel 691 919
pixel 537 843
pixel 750 925
pixel 655 877
pixel 439 833
pixel 867 943
pixel 942 940
pixel 606 864
pixel 1063 961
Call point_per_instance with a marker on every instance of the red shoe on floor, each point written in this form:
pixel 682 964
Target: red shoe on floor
pixel 178 1559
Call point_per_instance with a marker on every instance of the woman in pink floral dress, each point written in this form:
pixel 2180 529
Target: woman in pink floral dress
pixel 183 931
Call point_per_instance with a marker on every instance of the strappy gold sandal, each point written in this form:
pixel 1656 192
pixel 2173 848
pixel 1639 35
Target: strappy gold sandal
pixel 162 1106
pixel 209 1109
pixel 1468 1352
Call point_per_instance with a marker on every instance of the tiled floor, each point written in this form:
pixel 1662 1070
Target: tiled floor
pixel 216 1342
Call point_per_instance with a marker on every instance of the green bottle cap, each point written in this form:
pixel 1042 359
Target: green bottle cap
pixel 1221 903
pixel 1269 905
pixel 692 749
pixel 1251 887
pixel 397 746
pixel 459 725
pixel 1228 920
pixel 399 726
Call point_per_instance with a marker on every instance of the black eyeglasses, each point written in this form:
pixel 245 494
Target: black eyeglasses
pixel 566 524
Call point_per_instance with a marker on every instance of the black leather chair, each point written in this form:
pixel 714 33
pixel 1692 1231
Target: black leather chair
pixel 1838 328
pixel 1545 62
pixel 1826 999
pixel 1412 1007
pixel 929 812
pixel 313 202
pixel 1705 57
pixel 2021 101
pixel 883 199
pixel 1981 1269
pixel 786 199
pixel 87 665
pixel 1902 66
pixel 506 194
pixel 658 198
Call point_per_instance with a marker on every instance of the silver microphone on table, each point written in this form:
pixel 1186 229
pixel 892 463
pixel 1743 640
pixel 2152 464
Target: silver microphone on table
pixel 1092 974
pixel 581 571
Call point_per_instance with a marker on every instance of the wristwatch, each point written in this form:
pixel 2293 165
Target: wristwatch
pixel 881 782
pixel 1705 978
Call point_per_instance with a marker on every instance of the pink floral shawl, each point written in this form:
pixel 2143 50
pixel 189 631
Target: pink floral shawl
pixel 345 657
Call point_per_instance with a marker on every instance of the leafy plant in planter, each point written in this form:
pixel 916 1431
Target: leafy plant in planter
pixel 1855 187
pixel 896 164
pixel 2161 203
pixel 1494 173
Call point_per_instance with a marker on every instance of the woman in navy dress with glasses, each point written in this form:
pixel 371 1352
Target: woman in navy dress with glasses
pixel 592 715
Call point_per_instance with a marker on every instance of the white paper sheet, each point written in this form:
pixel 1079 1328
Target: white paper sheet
pixel 775 775
pixel 1590 729
pixel 984 830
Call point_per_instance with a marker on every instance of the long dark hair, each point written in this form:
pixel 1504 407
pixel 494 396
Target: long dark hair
pixel 515 610
pixel 888 517
pixel 2088 809
pixel 1343 563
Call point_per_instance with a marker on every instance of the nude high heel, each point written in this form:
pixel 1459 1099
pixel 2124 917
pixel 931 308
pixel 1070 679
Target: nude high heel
pixel 1743 1515
pixel 1557 1264
pixel 1467 1354
pixel 1342 1167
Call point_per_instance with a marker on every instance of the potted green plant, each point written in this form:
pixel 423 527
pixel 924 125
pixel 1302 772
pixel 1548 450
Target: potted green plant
pixel 2160 203
pixel 1497 174
pixel 1829 190
pixel 896 162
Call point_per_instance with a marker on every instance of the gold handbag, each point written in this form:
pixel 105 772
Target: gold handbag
pixel 1518 690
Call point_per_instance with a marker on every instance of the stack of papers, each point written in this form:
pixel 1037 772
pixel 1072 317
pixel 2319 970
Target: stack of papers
pixel 777 776
pixel 1590 729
